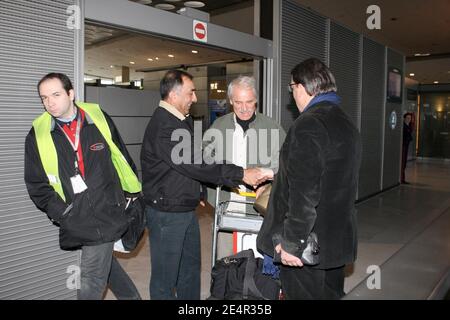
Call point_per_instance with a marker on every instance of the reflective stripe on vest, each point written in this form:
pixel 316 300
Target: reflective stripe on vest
pixel 49 157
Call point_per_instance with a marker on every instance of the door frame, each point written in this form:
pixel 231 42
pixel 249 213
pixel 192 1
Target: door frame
pixel 144 19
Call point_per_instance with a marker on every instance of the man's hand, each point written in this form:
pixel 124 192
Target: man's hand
pixel 287 258
pixel 256 176
pixel 268 173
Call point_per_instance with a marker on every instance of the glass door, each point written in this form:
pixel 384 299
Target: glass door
pixel 434 137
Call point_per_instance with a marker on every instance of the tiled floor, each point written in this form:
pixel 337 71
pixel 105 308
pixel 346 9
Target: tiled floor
pixel 391 227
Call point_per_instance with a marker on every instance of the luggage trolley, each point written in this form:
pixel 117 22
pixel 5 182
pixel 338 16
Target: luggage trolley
pixel 227 220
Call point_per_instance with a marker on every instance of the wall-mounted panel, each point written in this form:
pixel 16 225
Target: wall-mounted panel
pixel 131 110
pixel 393 134
pixel 124 102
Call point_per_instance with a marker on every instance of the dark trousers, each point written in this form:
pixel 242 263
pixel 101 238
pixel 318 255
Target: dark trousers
pixel 175 255
pixel 404 160
pixel 98 269
pixel 307 283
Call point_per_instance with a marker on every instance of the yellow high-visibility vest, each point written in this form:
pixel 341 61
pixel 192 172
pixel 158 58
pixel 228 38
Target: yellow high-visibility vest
pixel 49 157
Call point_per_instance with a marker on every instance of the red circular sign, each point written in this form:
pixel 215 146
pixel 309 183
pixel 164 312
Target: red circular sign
pixel 200 31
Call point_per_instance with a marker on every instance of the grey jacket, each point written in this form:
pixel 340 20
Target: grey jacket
pixel 261 128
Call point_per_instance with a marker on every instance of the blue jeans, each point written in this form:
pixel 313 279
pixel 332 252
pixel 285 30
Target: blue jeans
pixel 175 255
pixel 98 269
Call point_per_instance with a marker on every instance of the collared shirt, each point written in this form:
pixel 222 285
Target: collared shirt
pixel 170 108
pixel 239 145
pixel 70 129
pixel 240 159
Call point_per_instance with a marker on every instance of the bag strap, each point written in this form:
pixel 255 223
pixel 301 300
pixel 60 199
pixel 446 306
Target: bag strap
pixel 250 269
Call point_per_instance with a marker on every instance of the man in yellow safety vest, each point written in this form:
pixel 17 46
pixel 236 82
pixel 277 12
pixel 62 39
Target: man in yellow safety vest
pixel 78 171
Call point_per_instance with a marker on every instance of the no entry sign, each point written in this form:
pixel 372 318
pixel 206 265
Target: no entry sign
pixel 200 31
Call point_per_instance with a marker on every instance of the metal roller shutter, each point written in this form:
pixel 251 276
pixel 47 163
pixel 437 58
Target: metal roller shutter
pixel 345 64
pixel 304 34
pixel 372 111
pixel 34 40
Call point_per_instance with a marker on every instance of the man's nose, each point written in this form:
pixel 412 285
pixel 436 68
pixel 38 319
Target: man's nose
pixel 246 107
pixel 50 101
pixel 194 98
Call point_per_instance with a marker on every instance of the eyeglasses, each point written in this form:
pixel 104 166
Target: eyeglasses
pixel 290 86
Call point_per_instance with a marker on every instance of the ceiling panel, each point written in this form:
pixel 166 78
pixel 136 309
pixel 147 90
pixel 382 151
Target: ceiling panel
pixel 408 26
pixel 109 49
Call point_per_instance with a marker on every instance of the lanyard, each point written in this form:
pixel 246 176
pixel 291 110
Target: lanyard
pixel 75 145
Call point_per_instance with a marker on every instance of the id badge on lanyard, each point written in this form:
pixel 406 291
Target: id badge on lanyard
pixel 77 181
pixel 78 184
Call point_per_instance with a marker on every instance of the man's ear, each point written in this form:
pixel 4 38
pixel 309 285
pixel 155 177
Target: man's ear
pixel 72 95
pixel 173 95
pixel 302 87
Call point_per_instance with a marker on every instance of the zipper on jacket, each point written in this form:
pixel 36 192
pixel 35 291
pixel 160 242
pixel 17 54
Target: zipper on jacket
pixel 93 212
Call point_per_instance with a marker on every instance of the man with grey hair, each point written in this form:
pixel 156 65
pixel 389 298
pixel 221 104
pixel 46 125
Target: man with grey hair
pixel 245 138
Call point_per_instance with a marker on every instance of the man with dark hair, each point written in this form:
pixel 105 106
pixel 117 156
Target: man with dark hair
pixel 65 81
pixel 172 190
pixel 315 189
pixel 76 171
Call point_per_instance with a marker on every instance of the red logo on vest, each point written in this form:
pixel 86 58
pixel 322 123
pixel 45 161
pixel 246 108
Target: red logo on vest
pixel 97 147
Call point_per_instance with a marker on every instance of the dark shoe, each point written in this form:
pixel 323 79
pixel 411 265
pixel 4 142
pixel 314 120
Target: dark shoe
pixel 405 182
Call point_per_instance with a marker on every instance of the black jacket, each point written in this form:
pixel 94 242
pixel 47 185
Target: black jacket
pixel 407 134
pixel 315 188
pixel 97 215
pixel 175 187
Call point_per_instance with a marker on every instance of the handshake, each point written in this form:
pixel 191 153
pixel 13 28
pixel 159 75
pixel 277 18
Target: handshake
pixel 256 176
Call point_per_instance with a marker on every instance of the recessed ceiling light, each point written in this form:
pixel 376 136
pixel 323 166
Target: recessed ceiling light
pixel 421 54
pixel 132 62
pixel 150 59
pixel 173 0
pixel 164 6
pixel 156 58
pixel 411 74
pixel 195 51
pixel 436 82
pixel 170 55
pixel 145 1
pixel 194 4
pixel 111 66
